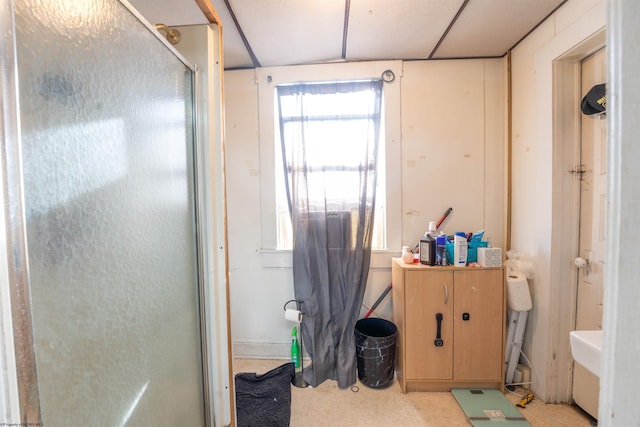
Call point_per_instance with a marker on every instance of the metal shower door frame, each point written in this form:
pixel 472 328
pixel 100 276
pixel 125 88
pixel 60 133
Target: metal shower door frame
pixel 19 394
pixel 16 278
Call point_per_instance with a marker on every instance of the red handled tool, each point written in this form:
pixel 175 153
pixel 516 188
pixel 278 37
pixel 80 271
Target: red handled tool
pixel 379 300
pixel 438 224
pixel 446 214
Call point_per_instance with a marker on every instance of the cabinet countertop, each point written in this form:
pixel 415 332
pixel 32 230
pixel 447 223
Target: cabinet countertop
pixel 418 266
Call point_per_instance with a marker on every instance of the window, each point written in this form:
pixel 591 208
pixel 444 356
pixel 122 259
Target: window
pixel 335 113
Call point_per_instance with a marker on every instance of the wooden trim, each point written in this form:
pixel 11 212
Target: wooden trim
pixel 509 151
pixel 232 385
pixel 215 19
pixel 209 12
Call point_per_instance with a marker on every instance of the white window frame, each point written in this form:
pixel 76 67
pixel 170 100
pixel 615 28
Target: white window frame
pixel 267 79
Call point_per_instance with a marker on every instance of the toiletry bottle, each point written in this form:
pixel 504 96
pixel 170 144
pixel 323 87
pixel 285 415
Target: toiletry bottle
pixel 441 254
pixel 295 347
pixel 460 248
pixel 428 250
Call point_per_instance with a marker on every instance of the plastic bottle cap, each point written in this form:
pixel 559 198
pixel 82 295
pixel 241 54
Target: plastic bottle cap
pixel 432 226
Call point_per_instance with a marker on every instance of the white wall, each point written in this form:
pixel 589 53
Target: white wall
pixel 537 176
pixel 257 294
pixel 453 125
pixel 448 142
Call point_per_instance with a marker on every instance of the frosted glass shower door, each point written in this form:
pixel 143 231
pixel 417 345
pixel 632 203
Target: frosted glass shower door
pixel 106 122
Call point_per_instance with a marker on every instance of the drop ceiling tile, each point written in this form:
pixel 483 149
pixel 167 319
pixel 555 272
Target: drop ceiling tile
pixel 288 32
pixel 235 53
pixel 169 12
pixel 400 29
pixel 491 27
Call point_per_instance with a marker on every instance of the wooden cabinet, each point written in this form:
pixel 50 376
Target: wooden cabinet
pixel 469 350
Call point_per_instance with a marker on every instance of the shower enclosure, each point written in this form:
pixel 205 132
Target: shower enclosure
pixel 101 290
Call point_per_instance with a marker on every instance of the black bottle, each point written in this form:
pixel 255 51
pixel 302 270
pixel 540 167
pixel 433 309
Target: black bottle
pixel 428 250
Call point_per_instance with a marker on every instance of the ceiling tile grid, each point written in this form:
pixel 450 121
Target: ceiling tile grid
pixel 236 54
pixel 170 12
pixel 487 28
pixel 294 32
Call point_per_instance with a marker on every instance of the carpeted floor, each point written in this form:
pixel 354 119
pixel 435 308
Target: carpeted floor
pixel 327 405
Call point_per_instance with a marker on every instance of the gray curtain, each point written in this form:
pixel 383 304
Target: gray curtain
pixel 330 155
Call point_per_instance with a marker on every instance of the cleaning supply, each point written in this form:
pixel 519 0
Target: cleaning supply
pixel 460 248
pixel 441 220
pixel 428 250
pixel 428 246
pixel 295 347
pixel 378 301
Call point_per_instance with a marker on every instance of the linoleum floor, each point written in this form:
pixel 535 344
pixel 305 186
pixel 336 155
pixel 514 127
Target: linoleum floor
pixel 328 405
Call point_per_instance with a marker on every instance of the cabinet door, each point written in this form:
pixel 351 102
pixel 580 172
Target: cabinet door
pixel 426 294
pixel 478 296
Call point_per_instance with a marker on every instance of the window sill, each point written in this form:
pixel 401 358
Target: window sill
pixel 272 258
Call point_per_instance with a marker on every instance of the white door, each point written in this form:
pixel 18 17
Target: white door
pixel 592 227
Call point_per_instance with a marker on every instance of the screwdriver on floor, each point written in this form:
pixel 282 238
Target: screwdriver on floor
pixel 526 399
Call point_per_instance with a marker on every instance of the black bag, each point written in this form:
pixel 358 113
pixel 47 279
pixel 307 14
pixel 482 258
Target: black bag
pixel 595 101
pixel 264 400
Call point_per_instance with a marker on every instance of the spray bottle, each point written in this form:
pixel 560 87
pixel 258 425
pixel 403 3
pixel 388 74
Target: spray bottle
pixel 295 347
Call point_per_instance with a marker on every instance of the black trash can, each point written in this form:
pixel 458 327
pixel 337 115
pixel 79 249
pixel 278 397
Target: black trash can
pixel 376 351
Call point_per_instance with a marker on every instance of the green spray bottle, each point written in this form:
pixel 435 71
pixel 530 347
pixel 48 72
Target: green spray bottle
pixel 295 347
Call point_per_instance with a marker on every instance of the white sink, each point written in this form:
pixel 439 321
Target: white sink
pixel 586 348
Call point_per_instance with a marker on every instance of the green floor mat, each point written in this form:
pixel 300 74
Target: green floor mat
pixel 485 407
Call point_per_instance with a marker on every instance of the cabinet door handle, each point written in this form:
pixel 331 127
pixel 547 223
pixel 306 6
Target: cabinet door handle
pixel 446 293
pixel 438 341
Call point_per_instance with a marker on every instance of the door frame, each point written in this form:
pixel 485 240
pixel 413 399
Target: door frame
pixel 566 210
